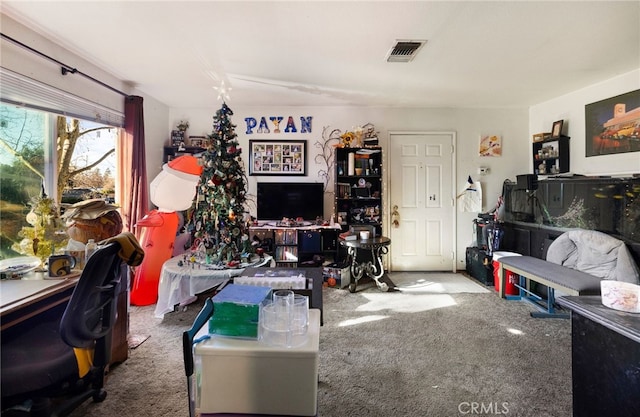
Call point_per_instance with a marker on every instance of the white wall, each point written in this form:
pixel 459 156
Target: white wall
pixel 570 108
pixel 156 115
pixel 469 125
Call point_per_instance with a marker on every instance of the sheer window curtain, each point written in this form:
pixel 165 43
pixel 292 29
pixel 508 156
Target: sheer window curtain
pixel 133 191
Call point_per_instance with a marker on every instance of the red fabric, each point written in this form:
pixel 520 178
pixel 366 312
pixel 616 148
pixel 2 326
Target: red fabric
pixel 134 184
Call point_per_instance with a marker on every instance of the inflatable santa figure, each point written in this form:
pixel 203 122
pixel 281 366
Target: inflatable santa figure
pixel 172 190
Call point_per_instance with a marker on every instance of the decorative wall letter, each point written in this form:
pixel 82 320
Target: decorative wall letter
pixel 276 122
pixel 251 123
pixel 291 127
pixel 263 128
pixel 305 124
pixel 263 125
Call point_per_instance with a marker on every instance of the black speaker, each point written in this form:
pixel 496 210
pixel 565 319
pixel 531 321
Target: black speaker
pixel 527 182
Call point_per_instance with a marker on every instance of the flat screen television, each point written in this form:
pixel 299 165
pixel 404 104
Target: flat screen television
pixel 276 200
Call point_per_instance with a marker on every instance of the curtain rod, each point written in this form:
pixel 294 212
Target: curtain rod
pixel 65 69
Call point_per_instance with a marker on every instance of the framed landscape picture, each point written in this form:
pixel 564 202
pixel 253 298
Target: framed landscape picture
pixel 272 157
pixel 613 125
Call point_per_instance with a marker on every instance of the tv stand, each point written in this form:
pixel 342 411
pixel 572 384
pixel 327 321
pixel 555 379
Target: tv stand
pixel 287 223
pixel 294 245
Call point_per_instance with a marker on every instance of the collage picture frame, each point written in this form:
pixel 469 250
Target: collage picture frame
pixel 272 157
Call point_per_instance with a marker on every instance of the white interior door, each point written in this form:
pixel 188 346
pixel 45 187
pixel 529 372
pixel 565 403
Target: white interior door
pixel 421 191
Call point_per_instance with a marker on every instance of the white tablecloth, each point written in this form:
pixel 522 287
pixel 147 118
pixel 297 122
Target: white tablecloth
pixel 180 284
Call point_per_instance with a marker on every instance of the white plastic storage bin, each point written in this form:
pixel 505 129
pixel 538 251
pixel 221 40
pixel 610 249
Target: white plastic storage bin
pixel 512 279
pixel 252 377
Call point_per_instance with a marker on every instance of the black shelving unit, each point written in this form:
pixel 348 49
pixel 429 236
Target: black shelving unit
pixel 171 152
pixel 551 156
pixel 358 188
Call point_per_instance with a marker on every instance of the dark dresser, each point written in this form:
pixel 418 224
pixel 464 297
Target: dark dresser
pixel 605 355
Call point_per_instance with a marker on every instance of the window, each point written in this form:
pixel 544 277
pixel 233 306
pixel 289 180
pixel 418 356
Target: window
pixel 27 167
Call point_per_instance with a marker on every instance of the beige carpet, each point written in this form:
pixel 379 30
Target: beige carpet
pixel 437 347
pixel 436 283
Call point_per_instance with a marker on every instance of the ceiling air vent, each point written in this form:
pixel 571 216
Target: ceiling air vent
pixel 404 51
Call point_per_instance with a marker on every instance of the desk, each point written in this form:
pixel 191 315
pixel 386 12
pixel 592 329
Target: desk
pixel 605 354
pixel 22 299
pixel 180 284
pixel 374 269
pixel 30 299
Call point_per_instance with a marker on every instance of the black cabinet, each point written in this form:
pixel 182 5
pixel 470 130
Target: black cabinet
pixel 358 190
pixel 605 353
pixel 516 239
pixel 171 152
pixel 528 239
pixel 551 156
pixel 292 246
pixel 479 265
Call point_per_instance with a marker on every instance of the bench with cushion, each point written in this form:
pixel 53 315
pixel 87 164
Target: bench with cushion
pixel 576 263
pixel 555 277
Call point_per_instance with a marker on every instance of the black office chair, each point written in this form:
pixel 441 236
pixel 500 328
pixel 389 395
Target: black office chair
pixel 187 349
pixel 51 366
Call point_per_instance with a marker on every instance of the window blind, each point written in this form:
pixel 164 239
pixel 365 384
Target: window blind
pixel 20 90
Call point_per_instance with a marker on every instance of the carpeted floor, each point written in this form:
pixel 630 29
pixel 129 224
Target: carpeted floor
pixel 443 345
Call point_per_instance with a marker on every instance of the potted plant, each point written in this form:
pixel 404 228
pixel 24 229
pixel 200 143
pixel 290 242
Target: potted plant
pixel 183 126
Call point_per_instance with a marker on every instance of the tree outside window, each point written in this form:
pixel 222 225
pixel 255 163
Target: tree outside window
pixel 84 155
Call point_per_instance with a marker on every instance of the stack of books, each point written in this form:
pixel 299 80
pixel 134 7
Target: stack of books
pixel 348 236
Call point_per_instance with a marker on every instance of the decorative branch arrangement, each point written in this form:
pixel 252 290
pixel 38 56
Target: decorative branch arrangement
pixel 362 136
pixel 330 139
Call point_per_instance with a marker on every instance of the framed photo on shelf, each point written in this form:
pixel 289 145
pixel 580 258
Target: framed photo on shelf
pixel 198 141
pixel 272 157
pixel 556 130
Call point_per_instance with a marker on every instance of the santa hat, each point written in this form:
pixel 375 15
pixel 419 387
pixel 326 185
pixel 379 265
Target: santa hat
pixel 185 167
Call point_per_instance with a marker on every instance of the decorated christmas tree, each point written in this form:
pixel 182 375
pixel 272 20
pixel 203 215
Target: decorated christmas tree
pixel 217 220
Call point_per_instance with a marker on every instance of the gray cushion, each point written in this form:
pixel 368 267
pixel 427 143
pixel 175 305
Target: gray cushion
pixel 596 253
pixel 566 277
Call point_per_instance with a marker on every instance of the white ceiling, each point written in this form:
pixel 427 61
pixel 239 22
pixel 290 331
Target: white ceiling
pixel 478 54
